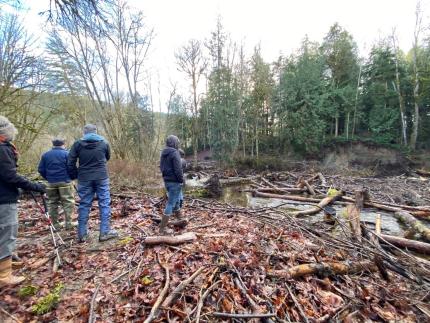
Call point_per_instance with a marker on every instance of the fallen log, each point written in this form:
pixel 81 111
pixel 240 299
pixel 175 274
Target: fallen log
pixel 419 213
pixel 268 183
pixel 282 190
pixel 322 179
pixel 338 268
pixel 302 183
pixel 414 224
pixel 286 197
pixel 237 180
pixel 171 240
pixel 414 245
pixel 320 207
pixel 422 172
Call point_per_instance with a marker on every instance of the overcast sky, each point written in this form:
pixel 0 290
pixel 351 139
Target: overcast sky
pixel 278 25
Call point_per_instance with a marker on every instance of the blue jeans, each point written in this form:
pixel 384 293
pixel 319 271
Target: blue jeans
pixel 174 192
pixel 86 190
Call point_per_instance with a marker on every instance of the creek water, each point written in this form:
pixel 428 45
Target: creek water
pixel 236 196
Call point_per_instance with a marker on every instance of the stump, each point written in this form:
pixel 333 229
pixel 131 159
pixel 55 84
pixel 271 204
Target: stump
pixel 213 186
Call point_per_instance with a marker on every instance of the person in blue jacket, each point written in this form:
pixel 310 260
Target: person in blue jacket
pixel 53 168
pixel 93 152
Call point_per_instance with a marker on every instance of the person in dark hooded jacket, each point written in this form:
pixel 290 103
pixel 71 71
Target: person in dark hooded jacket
pixel 171 169
pixel 93 152
pixel 10 182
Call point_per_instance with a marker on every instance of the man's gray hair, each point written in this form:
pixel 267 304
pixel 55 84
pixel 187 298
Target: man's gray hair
pixel 90 128
pixel 7 129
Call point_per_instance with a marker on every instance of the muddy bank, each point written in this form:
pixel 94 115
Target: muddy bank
pixel 364 157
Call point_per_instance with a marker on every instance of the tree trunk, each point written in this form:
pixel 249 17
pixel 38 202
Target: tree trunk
pixel 353 212
pixel 336 126
pixel 354 118
pixel 415 224
pixel 414 134
pixel 347 125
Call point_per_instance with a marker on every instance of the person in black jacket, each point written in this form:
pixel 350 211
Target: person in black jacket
pixel 10 182
pixel 171 169
pixel 92 152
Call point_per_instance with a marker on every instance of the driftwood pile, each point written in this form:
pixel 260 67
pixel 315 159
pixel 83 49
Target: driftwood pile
pixel 228 264
pixel 312 191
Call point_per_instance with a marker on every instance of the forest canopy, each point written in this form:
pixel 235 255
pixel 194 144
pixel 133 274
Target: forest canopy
pixel 93 67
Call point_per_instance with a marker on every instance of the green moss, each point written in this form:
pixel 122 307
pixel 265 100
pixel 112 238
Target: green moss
pixel 147 280
pixel 48 302
pixel 26 291
pixel 332 192
pixel 198 192
pixel 125 240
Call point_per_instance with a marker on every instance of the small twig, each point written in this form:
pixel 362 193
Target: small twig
pixel 202 300
pixel 119 276
pixel 160 298
pixel 173 295
pixel 10 315
pixel 92 318
pixel 299 307
pixel 138 267
pixel 242 315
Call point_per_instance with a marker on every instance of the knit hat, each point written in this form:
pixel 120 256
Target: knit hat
pixel 7 129
pixel 90 128
pixel 58 142
pixel 172 141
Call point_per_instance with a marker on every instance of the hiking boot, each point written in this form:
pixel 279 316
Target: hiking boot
pixel 112 234
pixel 83 239
pixel 6 277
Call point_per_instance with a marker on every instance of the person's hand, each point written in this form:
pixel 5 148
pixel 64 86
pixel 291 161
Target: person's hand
pixel 39 187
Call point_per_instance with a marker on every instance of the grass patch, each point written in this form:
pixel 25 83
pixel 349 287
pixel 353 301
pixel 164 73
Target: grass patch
pixel 28 290
pixel 48 302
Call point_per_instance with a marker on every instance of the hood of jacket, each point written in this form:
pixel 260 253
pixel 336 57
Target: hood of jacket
pixel 172 141
pixel 91 140
pixel 168 151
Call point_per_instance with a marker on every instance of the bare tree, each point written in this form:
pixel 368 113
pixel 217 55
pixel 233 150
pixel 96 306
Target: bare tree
pixel 21 80
pixel 191 61
pixel 108 54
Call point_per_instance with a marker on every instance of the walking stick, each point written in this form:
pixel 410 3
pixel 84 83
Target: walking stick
pixel 51 226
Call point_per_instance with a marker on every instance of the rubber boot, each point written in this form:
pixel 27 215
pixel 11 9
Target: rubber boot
pixel 163 225
pixel 68 222
pixel 178 214
pixel 6 277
